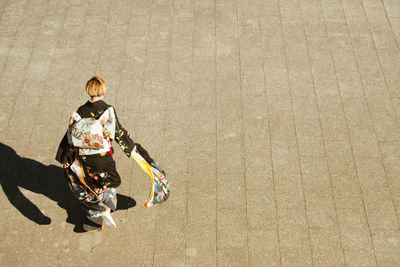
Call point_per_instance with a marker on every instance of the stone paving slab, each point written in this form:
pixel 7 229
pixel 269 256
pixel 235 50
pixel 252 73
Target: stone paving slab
pixel 277 121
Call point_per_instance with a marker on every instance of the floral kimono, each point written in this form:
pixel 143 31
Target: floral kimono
pixel 92 175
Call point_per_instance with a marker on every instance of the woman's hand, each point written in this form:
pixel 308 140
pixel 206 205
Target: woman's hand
pixel 66 165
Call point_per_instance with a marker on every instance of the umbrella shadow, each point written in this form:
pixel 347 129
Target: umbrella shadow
pixel 18 172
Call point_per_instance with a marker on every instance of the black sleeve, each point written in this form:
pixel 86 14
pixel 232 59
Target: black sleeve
pixel 123 138
pixel 65 152
pixel 143 153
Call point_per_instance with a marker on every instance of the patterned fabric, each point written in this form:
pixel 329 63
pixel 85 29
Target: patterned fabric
pixel 92 175
pixel 109 197
pixel 159 191
pixel 92 135
pixel 93 199
pixel 100 171
pixel 91 188
pixel 66 152
pixel 87 133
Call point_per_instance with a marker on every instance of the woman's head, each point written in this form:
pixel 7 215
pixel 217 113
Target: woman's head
pixel 96 86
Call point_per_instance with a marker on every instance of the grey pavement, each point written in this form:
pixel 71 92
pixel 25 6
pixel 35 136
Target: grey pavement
pixel 277 122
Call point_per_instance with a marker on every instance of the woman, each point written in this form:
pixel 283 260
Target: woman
pixel 91 171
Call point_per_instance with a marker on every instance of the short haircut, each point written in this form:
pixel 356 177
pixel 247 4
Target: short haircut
pixel 96 86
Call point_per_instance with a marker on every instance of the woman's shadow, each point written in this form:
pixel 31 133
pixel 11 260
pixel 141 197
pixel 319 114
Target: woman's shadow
pixel 16 171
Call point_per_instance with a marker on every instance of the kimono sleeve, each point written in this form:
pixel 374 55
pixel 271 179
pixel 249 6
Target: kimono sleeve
pixel 65 153
pixel 122 137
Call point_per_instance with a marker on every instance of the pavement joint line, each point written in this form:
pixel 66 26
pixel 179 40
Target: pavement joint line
pixel 377 54
pixel 296 136
pixel 6 61
pixel 320 126
pixel 242 131
pixel 369 107
pixel 390 24
pixel 5 65
pixel 270 141
pixel 352 149
pixel 193 9
pixel 216 129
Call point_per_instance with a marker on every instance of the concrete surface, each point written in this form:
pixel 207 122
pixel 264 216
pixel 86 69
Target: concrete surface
pixel 277 122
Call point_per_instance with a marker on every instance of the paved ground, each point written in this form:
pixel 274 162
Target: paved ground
pixel 277 122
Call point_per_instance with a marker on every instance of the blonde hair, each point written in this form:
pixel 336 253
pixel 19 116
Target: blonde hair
pixel 96 86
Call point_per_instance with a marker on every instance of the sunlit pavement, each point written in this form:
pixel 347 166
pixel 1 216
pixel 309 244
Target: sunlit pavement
pixel 277 122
